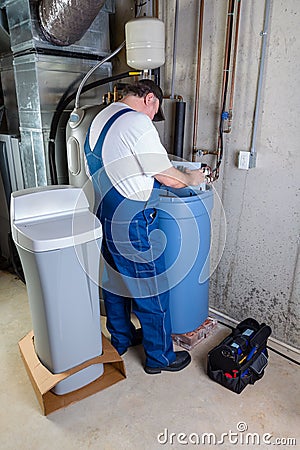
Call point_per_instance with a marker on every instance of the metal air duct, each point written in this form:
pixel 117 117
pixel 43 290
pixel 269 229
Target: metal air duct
pixel 38 73
pixel 64 22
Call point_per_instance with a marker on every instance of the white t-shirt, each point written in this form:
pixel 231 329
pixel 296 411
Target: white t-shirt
pixel 132 152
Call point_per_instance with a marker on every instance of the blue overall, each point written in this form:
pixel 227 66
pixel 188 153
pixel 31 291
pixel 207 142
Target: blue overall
pixel 134 263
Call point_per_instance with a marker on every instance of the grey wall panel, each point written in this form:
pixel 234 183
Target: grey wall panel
pixel 258 274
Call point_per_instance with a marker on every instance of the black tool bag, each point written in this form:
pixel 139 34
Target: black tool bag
pixel 240 359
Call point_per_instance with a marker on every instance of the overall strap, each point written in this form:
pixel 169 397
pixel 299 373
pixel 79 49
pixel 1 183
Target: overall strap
pixel 108 194
pixel 94 158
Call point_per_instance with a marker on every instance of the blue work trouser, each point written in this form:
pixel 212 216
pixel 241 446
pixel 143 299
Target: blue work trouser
pixel 135 273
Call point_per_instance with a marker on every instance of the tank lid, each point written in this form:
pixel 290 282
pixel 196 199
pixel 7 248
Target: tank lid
pixel 52 217
pixel 57 232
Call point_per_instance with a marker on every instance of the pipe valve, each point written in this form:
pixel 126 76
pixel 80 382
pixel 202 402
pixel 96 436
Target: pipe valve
pixel 207 172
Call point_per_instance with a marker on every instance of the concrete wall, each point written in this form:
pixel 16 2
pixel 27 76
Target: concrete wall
pixel 258 274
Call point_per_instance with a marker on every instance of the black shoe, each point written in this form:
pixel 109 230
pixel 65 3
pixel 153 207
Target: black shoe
pixel 137 337
pixel 182 360
pixel 136 340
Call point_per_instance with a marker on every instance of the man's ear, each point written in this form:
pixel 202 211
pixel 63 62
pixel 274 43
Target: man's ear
pixel 149 98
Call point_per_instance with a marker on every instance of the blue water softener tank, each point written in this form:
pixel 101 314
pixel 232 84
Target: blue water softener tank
pixel 184 218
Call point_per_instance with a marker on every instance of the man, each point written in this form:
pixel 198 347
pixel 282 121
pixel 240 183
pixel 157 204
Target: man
pixel 127 164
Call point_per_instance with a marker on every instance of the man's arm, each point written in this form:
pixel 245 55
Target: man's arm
pixel 175 178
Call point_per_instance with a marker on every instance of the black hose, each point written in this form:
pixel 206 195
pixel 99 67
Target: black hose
pixel 62 104
pixel 179 129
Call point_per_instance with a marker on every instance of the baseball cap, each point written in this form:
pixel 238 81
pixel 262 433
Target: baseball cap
pixel 144 87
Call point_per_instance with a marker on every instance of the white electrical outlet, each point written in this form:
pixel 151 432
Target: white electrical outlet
pixel 244 160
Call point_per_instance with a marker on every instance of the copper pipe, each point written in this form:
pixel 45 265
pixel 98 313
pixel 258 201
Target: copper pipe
pixel 116 93
pixel 196 106
pixel 175 47
pixel 209 152
pixel 156 8
pixel 227 51
pixel 237 24
pixel 179 98
pixel 226 59
pixel 238 14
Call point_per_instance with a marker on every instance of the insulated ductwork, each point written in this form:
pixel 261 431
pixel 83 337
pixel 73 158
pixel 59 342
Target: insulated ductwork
pixel 38 73
pixel 64 22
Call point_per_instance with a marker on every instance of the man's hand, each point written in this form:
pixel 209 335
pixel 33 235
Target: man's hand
pixel 175 178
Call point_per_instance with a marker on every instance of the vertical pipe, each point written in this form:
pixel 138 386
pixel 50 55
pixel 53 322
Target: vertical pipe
pixel 156 8
pixel 179 129
pixel 174 49
pixel 230 13
pixel 260 81
pixel 196 106
pixel 237 24
pixel 227 51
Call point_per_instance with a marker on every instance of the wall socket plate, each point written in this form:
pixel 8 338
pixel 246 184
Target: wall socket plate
pixel 244 160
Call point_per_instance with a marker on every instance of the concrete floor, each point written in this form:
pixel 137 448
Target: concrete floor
pixel 134 412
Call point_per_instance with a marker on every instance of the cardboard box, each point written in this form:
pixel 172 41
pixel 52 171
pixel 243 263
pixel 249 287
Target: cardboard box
pixel 43 380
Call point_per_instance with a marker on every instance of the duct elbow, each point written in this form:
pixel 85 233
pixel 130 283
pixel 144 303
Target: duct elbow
pixel 65 22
